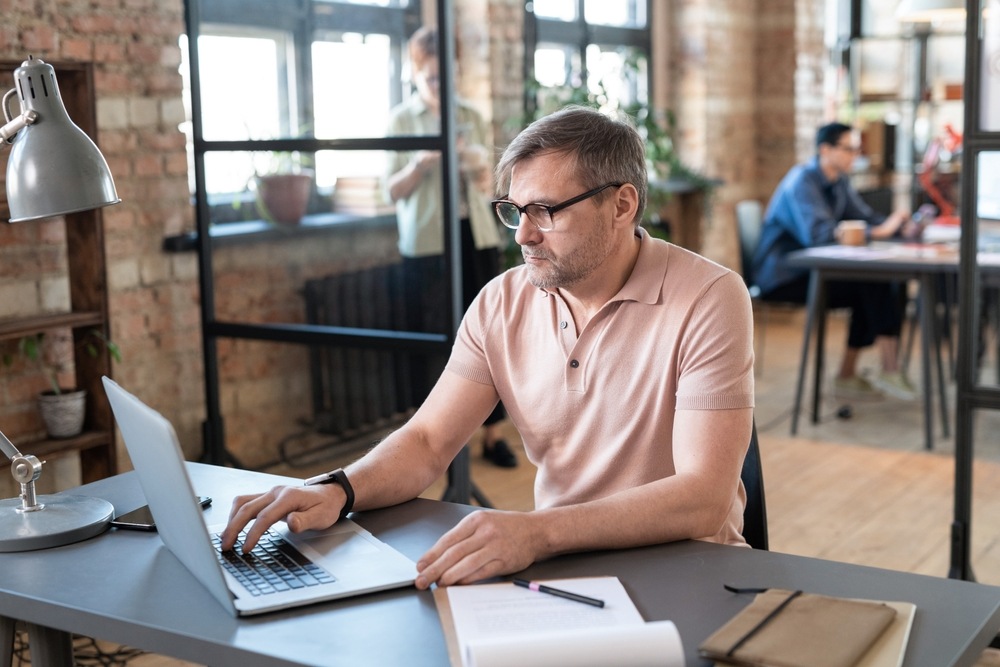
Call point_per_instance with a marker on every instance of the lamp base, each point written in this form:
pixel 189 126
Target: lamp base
pixel 63 520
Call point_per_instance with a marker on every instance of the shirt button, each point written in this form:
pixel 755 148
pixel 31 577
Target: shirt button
pixel 574 364
pixel 563 324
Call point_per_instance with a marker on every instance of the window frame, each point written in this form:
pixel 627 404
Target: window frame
pixel 578 34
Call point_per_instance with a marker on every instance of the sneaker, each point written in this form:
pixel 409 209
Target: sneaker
pixel 896 385
pixel 499 454
pixel 855 387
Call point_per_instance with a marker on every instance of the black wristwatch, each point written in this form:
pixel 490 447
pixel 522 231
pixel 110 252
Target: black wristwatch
pixel 338 477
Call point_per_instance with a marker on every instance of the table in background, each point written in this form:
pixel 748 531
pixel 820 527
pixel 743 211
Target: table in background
pixel 126 587
pixel 876 262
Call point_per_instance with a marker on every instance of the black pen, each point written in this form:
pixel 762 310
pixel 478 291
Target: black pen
pixel 542 588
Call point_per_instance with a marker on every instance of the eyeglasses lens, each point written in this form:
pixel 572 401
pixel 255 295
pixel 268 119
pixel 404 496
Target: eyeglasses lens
pixel 510 215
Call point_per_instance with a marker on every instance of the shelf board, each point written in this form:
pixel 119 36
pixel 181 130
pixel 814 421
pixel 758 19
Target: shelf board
pixel 50 446
pixel 26 326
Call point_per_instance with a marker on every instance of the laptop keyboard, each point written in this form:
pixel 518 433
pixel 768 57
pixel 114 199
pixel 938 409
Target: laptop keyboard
pixel 272 566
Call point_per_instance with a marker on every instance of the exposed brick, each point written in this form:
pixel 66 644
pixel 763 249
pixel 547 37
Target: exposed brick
pixel 109 52
pixel 148 165
pixel 112 113
pixel 38 39
pixel 76 49
pixel 143 112
pixel 90 24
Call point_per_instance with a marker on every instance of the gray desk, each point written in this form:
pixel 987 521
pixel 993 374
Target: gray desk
pixel 876 262
pixel 126 587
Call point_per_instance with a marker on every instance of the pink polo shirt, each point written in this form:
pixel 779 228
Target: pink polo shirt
pixel 595 408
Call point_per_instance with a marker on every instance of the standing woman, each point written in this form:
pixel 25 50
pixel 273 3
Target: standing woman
pixel 414 184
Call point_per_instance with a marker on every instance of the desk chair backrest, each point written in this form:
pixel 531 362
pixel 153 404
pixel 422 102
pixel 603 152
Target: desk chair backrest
pixel 755 512
pixel 749 220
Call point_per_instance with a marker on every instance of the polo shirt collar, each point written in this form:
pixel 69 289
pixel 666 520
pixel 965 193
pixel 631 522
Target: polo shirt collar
pixel 645 283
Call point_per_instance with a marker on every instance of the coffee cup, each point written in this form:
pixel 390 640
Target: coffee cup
pixel 852 232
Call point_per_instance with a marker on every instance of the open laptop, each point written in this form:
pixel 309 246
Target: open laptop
pixel 346 559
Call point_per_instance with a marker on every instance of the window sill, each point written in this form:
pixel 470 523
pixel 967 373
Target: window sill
pixel 261 231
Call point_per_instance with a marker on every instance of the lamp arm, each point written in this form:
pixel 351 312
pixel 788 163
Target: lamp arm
pixel 15 124
pixel 8 448
pixel 25 469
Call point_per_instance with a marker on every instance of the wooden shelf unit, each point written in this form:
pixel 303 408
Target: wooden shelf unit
pixel 88 290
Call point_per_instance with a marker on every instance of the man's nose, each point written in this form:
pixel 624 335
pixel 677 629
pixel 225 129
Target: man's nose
pixel 527 232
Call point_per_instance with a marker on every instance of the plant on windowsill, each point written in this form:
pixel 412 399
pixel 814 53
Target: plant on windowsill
pixel 283 187
pixel 62 409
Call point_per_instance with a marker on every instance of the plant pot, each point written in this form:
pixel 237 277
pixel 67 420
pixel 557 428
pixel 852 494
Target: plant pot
pixel 63 413
pixel 283 198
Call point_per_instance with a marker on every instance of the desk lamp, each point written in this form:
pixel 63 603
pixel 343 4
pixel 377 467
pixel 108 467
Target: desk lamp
pixel 54 168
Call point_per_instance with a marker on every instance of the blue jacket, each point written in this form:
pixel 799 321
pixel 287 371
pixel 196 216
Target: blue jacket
pixel 804 212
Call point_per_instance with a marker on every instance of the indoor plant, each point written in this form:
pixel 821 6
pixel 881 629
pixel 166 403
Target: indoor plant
pixel 62 409
pixel 283 189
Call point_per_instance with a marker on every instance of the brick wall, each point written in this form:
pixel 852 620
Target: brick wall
pixel 745 78
pixel 747 89
pixel 153 296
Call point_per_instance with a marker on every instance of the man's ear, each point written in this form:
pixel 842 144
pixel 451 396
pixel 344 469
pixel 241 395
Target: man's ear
pixel 626 204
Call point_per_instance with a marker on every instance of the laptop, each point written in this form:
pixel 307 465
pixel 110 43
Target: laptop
pixel 346 560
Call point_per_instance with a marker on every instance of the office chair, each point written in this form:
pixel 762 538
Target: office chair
pixel 749 219
pixel 755 512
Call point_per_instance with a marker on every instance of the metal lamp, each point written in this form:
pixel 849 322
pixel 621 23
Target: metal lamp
pixel 53 169
pixel 925 11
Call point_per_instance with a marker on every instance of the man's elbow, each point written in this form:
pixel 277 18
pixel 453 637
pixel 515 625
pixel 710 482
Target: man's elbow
pixel 710 517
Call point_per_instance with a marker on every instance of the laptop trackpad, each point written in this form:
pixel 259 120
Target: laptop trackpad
pixel 339 543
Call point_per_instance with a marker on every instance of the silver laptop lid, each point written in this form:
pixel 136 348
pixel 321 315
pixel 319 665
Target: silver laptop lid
pixel 159 462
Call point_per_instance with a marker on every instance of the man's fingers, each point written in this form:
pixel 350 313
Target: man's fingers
pixel 243 510
pixel 302 508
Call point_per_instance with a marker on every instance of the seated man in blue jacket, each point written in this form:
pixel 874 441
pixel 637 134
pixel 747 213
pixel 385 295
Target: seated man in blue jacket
pixel 811 200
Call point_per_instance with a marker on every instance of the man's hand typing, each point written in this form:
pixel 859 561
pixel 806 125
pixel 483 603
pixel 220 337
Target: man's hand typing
pixel 301 507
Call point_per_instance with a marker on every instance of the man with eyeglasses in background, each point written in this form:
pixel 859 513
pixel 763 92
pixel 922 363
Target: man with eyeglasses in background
pixel 625 362
pixel 805 210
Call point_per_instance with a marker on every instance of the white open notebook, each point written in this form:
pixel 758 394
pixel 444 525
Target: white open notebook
pixel 494 625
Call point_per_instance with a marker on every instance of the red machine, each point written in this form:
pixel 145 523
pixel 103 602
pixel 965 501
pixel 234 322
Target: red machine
pixel 951 141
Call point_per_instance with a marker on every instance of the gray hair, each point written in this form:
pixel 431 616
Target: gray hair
pixel 605 149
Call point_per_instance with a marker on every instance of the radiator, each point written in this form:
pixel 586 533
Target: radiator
pixel 357 391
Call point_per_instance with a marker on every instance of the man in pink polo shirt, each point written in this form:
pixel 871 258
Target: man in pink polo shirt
pixel 626 364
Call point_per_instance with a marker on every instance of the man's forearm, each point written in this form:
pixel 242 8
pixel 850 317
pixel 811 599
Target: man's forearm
pixel 663 511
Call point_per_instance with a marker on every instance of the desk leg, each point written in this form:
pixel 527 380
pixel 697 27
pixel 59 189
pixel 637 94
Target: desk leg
pixel 820 297
pixel 811 305
pixel 7 626
pixel 927 335
pixel 49 646
pixel 940 335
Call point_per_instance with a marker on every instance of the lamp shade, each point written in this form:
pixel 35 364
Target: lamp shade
pixel 54 168
pixel 921 11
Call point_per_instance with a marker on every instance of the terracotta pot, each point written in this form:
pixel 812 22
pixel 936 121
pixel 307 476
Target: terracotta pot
pixel 284 197
pixel 63 413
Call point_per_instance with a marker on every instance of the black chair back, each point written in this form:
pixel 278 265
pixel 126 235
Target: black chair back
pixel 755 512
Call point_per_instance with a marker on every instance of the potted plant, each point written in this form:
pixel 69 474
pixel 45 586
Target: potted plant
pixel 284 188
pixel 62 409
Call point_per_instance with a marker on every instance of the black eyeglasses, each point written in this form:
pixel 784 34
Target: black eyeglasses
pixel 540 214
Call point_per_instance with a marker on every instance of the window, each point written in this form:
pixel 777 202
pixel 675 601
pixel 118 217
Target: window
pixel 273 72
pixel 349 68
pixel 589 48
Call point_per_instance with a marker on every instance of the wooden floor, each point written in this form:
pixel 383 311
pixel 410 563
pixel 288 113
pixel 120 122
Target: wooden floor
pixel 861 490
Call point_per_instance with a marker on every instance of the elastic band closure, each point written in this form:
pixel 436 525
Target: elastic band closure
pixel 767 619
